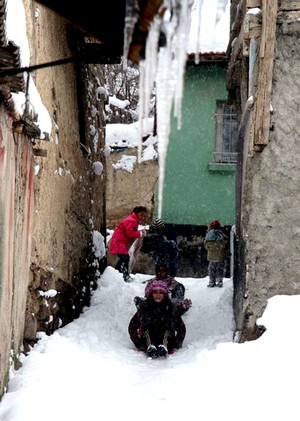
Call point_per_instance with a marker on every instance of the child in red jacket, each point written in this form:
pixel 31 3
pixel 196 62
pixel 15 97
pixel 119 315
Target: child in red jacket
pixel 124 234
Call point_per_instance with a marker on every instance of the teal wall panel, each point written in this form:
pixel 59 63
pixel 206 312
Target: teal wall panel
pixel 194 194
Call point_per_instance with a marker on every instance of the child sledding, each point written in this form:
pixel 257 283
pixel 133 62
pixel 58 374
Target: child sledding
pixel 157 327
pixel 176 290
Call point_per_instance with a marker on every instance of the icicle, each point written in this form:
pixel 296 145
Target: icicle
pixel 170 81
pixel 181 39
pixel 131 17
pixel 164 104
pixel 147 69
pixel 199 6
pixel 166 69
pixel 141 110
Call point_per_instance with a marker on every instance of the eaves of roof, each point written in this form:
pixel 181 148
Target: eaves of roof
pixel 9 56
pixel 101 19
pixel 212 57
pixel 10 59
pixel 114 23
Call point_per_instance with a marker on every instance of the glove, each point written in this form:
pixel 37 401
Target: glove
pixel 186 304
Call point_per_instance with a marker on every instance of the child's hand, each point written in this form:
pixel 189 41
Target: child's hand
pixel 186 304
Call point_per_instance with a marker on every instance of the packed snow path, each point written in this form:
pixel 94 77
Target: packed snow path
pixel 89 370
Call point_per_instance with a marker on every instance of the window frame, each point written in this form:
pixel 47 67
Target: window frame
pixel 225 115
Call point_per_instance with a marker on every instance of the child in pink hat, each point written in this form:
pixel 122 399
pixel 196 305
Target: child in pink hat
pixel 157 327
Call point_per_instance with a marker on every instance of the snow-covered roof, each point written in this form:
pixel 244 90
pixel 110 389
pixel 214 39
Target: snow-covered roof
pixel 210 26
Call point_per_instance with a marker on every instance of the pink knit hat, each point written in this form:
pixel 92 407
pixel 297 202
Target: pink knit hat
pixel 158 285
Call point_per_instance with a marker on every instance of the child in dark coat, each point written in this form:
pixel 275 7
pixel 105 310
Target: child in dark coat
pixel 216 245
pixel 161 248
pixel 176 290
pixel 157 327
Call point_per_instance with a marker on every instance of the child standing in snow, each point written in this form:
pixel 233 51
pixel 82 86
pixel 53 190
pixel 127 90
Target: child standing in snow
pixel 124 234
pixel 216 245
pixel 157 327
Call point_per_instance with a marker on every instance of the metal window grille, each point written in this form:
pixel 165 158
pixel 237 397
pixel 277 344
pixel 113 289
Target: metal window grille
pixel 226 133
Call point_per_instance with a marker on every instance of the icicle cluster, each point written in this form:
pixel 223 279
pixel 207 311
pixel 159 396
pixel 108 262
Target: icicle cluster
pixel 163 69
pixel 198 5
pixel 131 17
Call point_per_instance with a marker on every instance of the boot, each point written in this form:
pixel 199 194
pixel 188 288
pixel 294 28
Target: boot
pixel 219 282
pixel 126 276
pixel 162 351
pixel 152 351
pixel 211 284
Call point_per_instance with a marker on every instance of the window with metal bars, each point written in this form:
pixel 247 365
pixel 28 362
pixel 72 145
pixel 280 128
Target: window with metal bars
pixel 226 133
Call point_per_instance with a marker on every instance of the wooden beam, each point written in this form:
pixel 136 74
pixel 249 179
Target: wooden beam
pixel 235 58
pixel 252 26
pixel 265 73
pixel 288 16
pixel 289 5
pixel 40 152
pixel 253 3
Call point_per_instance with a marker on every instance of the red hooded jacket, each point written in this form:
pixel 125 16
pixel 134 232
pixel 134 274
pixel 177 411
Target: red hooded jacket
pixel 124 234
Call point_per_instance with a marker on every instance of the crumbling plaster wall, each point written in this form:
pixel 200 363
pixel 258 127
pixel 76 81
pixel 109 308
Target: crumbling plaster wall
pixel 271 218
pixel 16 213
pixel 125 189
pixel 68 196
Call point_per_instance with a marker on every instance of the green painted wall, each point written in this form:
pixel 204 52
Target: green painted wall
pixel 193 194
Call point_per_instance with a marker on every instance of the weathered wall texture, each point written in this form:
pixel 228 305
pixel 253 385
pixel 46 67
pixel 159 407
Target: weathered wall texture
pixel 269 225
pixel 16 206
pixel 126 190
pixel 51 206
pixel 272 192
pixel 69 196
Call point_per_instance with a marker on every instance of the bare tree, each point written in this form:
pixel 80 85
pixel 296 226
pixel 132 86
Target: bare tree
pixel 123 84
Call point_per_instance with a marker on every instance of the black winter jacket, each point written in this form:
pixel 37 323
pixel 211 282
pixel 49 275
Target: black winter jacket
pixel 155 319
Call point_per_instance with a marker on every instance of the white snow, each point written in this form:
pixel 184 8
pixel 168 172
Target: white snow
pixel 90 370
